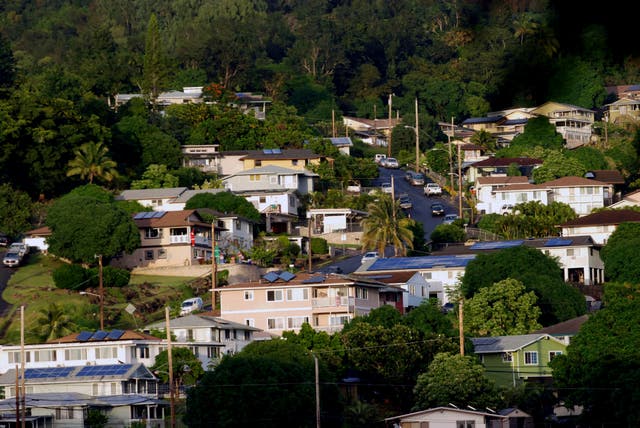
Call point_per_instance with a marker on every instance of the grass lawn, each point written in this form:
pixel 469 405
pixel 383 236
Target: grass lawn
pixel 32 285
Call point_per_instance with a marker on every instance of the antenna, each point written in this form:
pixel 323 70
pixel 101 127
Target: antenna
pixel 471 407
pixel 453 405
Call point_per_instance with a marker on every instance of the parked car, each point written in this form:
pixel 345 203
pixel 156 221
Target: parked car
pixel 190 305
pixel 506 209
pixel 391 163
pixel 353 187
pixel 20 248
pixel 370 255
pixel 437 210
pixel 405 202
pixel 408 175
pixel 379 157
pixel 4 241
pixel 11 259
pixel 449 218
pixel 386 188
pixel 417 179
pixel 432 189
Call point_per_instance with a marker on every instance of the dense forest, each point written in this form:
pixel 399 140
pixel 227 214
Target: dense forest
pixel 62 62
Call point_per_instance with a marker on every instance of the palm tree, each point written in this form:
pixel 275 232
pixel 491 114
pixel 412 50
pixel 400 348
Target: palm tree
pixel 524 25
pixel 92 161
pixel 387 225
pixel 54 322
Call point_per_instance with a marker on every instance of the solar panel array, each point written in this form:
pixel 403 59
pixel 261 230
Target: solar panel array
pixel 496 245
pixel 86 336
pixel 99 335
pixel 558 242
pixel 149 214
pixel 271 276
pixel 286 276
pixel 115 334
pixel 274 276
pixel 424 262
pixel 108 370
pixel 47 372
pixel 272 151
pixel 314 280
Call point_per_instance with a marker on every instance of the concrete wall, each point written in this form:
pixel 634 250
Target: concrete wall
pixel 237 272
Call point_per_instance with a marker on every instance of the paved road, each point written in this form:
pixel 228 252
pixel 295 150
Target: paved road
pixel 5 274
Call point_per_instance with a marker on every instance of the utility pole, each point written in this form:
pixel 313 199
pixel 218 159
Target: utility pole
pixel 375 125
pixel 309 249
pixel 417 140
pixel 461 324
pixel 317 378
pixel 333 123
pixel 214 265
pixel 23 398
pixel 101 292
pixel 17 396
pixel 390 102
pixel 459 184
pixel 450 156
pixel 172 397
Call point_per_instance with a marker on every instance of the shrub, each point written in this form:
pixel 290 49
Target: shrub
pixel 70 277
pixel 319 246
pixel 111 277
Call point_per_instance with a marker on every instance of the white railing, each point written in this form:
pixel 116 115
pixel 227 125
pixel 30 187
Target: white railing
pixel 324 302
pixel 179 239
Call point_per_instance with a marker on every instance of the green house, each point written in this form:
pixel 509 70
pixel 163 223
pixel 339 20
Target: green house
pixel 513 360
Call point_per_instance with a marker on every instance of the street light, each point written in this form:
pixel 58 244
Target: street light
pixel 101 298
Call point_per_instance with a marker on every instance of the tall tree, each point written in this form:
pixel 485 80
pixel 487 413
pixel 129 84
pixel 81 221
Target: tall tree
pixel 620 255
pixel 92 162
pixel 7 65
pixel 187 368
pixel 54 322
pixel 154 73
pixel 15 210
pixel 387 225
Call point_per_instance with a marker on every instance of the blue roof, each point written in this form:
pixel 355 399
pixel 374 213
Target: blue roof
pixel 424 262
pixel 108 370
pixel 44 373
pixel 487 119
pixel 496 245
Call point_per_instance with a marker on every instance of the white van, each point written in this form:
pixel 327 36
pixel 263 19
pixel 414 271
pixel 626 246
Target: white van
pixel 190 305
pixel 379 157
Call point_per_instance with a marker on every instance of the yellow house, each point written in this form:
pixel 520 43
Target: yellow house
pixel 292 158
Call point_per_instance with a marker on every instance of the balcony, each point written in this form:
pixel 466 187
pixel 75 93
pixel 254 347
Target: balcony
pixel 333 302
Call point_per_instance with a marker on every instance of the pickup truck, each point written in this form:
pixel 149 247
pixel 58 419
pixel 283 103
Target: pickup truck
pixel 432 189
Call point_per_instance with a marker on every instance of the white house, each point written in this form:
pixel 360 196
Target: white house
pixel 449 417
pixel 204 157
pixel 485 188
pixel 599 225
pixel 271 178
pixel 581 194
pixel 157 199
pixel 416 288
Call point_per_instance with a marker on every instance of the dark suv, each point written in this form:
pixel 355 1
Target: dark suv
pixel 437 209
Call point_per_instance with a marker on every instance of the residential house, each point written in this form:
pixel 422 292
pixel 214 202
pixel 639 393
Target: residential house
pixel 565 330
pixel 492 167
pixel 343 144
pixel 158 199
pixel 442 273
pixel 204 157
pixel 270 178
pixel 283 301
pixel 336 225
pixel 471 153
pixel 599 225
pixel 623 111
pixel 253 103
pixel 612 177
pixel 450 417
pixel 172 238
pixel 485 187
pixel 378 126
pixel 189 95
pixel 631 199
pixel 578 256
pixel 279 208
pixel 514 360
pixel 233 162
pixel 209 337
pixel 37 238
pixel 503 199
pixel 572 122
pixel 582 194
pixel 416 288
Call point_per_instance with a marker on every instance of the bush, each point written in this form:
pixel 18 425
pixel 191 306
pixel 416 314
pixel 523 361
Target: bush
pixel 111 277
pixel 71 277
pixel 319 246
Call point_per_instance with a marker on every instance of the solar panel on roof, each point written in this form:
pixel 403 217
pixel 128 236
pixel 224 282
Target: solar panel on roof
pixel 138 216
pixel 115 334
pixel 108 370
pixel 314 280
pixel 84 336
pixel 158 214
pixel 558 242
pixel 47 372
pixel 150 214
pixel 99 335
pixel 496 245
pixel 286 276
pixel 276 151
pixel 267 151
pixel 271 276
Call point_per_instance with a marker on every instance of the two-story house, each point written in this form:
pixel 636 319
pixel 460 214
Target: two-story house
pixel 574 123
pixel 500 199
pixel 513 360
pixel 377 126
pixel 415 288
pixel 204 157
pixel 233 162
pixel 282 301
pixel 582 194
pixel 498 167
pixel 270 178
pixel 599 225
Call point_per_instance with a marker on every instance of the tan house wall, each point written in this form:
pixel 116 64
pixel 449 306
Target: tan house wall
pixel 297 164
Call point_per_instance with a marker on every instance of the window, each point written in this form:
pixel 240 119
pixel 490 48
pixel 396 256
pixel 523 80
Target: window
pixel 570 252
pixel 44 355
pixel 227 334
pixel 465 424
pixel 143 352
pixel 273 180
pixel 553 354
pixel 247 335
pixel 275 323
pixel 298 294
pixel 248 295
pixel 426 275
pixel 250 322
pixel 14 357
pixel 507 357
pixel 211 352
pixel 114 389
pixel 274 296
pixel 362 293
pixel 152 233
pixel 254 177
pixel 531 358
pixel 162 253
pixel 339 319
pixel 65 412
pixel 148 254
pixel 75 354
pixel 105 353
pixel 263 199
pixel 294 162
pixel 257 162
pixel 296 322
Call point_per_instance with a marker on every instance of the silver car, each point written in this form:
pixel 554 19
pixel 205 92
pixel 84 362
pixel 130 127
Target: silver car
pixel 11 259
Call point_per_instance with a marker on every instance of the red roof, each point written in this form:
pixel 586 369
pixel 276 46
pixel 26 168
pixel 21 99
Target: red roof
pixel 605 217
pixel 573 181
pixel 506 162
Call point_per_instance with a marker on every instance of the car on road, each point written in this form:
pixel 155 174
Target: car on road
pixel 437 209
pixel 191 305
pixel 370 255
pixel 11 259
pixel 386 188
pixel 379 158
pixel 432 189
pixel 408 175
pixel 20 248
pixel 417 179
pixel 405 202
pixel 449 218
pixel 391 163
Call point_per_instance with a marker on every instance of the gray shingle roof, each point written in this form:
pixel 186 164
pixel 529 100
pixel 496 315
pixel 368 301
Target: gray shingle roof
pixel 491 345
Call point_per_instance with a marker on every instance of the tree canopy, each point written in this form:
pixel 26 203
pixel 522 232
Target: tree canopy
pixel 224 202
pixel 620 254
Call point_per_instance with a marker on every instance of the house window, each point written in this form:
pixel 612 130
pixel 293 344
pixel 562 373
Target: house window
pixel 570 252
pixel 211 352
pixel 531 358
pixel 254 177
pixel 273 180
pixel 189 334
pixel 148 254
pixel 362 293
pixel 247 335
pixel 294 162
pixel 162 253
pixel 65 412
pixel 143 352
pixel 275 323
pixel 339 319
pixel 152 233
pixel 553 354
pixel 426 275
pixel 250 322
pixel 156 202
pixel 48 355
pixel 105 353
pixel 227 334
pixel 75 354
pixel 257 162
pixel 296 322
pixel 263 199
pixel 292 200
pixel 298 294
pixel 238 225
pixel 114 389
pixel 248 295
pixel 274 296
pixel 14 357
pixel 507 357
pixel 465 424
